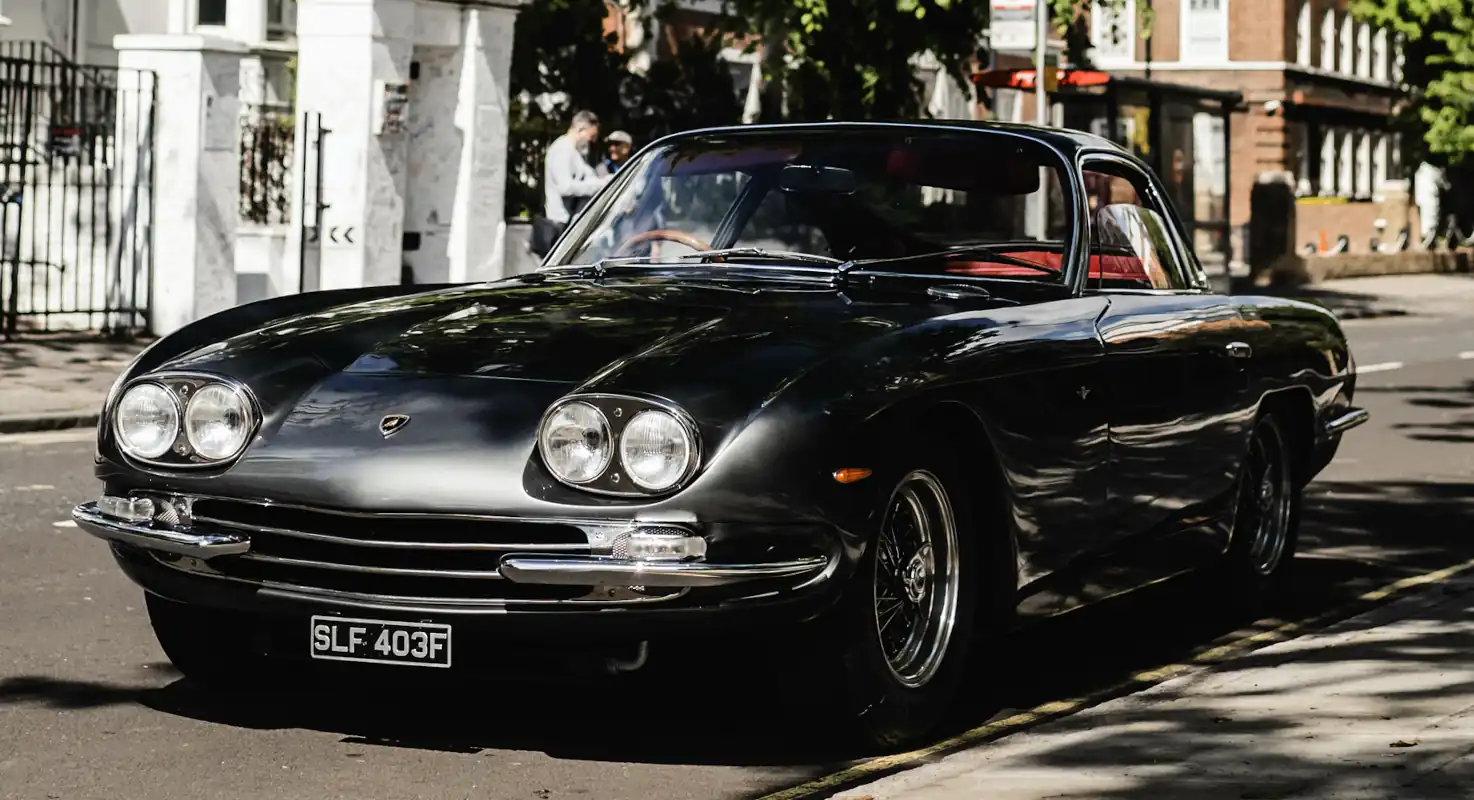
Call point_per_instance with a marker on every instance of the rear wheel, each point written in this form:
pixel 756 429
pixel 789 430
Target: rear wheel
pixel 1267 518
pixel 906 625
pixel 209 646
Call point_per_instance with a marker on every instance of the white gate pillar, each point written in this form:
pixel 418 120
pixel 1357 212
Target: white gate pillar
pixel 353 62
pixel 196 170
pixel 458 115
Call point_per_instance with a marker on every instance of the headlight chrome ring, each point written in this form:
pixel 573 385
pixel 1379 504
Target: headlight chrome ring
pixel 147 420
pixel 200 420
pixel 575 442
pixel 657 450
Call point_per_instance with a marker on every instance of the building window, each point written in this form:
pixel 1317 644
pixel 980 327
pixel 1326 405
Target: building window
pixel 1379 161
pixel 1302 35
pixel 1328 40
pixel 1205 31
pixel 747 81
pixel 1326 180
pixel 281 18
pixel 210 12
pixel 1379 55
pixel 1347 60
pixel 1363 164
pixel 1364 50
pixel 1112 33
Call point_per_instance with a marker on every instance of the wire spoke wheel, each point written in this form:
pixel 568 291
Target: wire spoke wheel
pixel 1267 500
pixel 917 579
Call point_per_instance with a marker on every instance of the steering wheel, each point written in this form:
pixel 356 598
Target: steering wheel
pixel 662 235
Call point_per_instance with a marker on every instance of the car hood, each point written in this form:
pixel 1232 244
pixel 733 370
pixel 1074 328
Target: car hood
pixel 480 364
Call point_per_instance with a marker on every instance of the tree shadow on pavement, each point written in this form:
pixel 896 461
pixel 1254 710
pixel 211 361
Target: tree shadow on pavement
pixel 714 709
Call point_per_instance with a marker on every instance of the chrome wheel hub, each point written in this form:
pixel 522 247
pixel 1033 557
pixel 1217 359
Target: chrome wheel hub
pixel 917 579
pixel 917 574
pixel 1265 515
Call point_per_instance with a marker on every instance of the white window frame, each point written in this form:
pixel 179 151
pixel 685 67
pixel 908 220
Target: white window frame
pixel 1328 40
pixel 1363 50
pixel 1109 52
pixel 1379 55
pixel 1303 37
pixel 1190 53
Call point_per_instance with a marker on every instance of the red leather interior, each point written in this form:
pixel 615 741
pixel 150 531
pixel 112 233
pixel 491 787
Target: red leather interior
pixel 1113 268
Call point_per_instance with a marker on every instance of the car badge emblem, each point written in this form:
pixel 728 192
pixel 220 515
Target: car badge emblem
pixel 392 423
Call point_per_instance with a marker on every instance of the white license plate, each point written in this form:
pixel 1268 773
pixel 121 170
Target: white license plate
pixel 376 641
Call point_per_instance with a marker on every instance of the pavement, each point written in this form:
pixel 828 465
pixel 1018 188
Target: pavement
pixel 1379 706
pixel 90 708
pixel 56 381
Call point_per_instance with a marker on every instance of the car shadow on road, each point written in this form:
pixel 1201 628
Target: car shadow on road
pixel 715 709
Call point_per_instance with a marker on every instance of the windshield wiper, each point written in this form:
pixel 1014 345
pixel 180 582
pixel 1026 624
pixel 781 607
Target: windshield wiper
pixel 749 252
pixel 1003 258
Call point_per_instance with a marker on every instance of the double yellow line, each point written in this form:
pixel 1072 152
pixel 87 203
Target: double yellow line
pixel 886 764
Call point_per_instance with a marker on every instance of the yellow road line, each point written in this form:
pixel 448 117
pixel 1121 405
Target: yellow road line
pixel 1136 682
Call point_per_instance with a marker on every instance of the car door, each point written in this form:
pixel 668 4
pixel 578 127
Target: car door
pixel 1175 371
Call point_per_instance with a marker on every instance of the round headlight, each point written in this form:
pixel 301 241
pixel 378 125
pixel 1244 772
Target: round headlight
pixel 656 450
pixel 575 443
pixel 217 422
pixel 146 421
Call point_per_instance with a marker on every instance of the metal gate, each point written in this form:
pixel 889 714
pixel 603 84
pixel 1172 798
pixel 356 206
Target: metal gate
pixel 310 203
pixel 76 181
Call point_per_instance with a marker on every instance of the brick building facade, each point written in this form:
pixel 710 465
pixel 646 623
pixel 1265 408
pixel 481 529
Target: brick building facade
pixel 1319 91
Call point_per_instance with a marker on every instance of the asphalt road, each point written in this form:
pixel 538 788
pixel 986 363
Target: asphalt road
pixel 89 707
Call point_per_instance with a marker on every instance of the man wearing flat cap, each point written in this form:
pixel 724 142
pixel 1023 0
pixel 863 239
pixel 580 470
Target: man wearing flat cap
pixel 620 144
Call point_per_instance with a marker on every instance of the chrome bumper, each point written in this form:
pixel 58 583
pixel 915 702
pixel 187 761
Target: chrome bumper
pixel 199 545
pixel 1345 422
pixel 601 571
pixel 530 568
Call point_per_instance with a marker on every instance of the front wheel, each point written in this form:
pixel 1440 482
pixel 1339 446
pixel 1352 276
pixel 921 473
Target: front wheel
pixel 1267 518
pixel 907 622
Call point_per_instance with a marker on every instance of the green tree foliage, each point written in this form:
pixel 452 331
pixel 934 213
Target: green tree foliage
pixel 561 48
pixel 1439 63
pixel 850 59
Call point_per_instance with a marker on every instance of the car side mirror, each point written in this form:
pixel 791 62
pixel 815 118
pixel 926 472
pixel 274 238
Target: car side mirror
pixel 816 179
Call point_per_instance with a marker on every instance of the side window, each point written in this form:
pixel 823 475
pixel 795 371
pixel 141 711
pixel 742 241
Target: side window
pixel 1130 247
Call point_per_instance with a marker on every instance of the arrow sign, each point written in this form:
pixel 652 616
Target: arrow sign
pixel 346 237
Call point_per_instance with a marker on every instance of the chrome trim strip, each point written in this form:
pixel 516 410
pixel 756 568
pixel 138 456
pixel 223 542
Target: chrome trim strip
pixel 602 571
pixel 1347 421
pixel 610 522
pixel 207 545
pixel 383 602
pixel 389 543
pixel 359 568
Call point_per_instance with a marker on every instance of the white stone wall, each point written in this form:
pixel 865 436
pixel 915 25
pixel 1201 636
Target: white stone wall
pixel 434 157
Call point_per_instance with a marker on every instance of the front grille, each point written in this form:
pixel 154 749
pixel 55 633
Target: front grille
pixel 396 555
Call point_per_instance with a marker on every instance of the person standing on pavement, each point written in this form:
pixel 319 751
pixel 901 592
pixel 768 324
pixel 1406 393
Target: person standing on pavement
pixel 569 180
pixel 620 144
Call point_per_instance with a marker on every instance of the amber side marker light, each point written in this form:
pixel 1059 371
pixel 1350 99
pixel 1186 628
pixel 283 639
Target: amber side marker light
pixel 851 474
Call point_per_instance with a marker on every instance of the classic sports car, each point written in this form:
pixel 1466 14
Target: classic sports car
pixel 896 386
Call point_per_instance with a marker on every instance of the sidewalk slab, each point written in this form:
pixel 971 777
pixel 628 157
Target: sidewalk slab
pixel 1379 706
pixel 1423 295
pixel 52 381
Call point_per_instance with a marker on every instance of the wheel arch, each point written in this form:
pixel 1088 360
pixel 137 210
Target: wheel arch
pixel 1000 555
pixel 1295 407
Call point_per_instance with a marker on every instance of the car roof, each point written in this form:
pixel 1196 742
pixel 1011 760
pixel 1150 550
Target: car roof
pixel 1066 140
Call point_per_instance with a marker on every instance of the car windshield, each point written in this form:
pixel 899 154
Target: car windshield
pixel 957 201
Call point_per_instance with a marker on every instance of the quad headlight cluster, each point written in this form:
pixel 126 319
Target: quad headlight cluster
pixel 619 445
pixel 184 420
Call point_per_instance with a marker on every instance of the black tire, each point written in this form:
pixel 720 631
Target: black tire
pixel 890 704
pixel 1266 523
pixel 208 646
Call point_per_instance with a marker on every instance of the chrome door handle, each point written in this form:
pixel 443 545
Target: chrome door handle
pixel 1239 349
pixel 958 291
